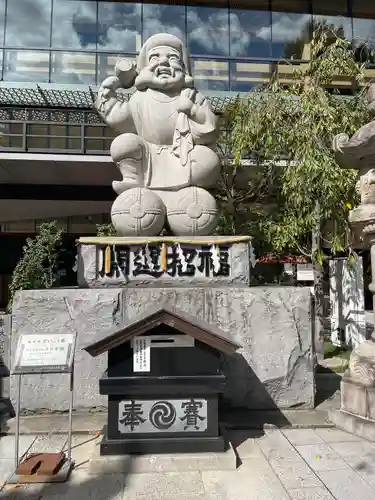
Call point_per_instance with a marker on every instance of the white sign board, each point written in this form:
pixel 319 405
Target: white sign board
pixel 44 353
pixel 305 272
pixel 141 354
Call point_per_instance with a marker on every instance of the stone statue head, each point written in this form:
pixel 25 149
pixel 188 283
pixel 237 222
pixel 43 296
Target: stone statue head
pixel 163 64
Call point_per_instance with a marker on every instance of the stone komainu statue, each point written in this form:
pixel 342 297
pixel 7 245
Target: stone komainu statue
pixel 165 147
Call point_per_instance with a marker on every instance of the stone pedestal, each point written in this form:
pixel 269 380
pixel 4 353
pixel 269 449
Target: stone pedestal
pixel 357 413
pixel 164 261
pixel 357 399
pixel 353 424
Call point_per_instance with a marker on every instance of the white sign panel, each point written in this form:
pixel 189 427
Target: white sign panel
pixel 44 353
pixel 141 354
pixel 305 272
pixel 174 415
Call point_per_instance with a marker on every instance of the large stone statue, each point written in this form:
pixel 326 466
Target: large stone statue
pixel 164 149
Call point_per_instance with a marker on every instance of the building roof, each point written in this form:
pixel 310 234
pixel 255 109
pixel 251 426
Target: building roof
pixel 56 96
pixel 175 318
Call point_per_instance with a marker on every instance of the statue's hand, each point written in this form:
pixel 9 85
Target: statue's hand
pixel 109 86
pixel 186 101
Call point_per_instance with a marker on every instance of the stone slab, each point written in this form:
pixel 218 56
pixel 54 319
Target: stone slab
pixel 84 422
pixel 7 446
pixel 347 486
pixel 168 486
pixel 80 486
pixel 7 467
pixel 334 435
pixel 319 493
pixel 275 367
pixel 321 457
pixel 245 483
pixel 361 458
pixel 298 437
pixel 294 474
pixel 352 423
pixel 174 462
pixel 134 263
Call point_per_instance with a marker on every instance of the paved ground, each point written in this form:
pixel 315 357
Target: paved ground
pixel 295 464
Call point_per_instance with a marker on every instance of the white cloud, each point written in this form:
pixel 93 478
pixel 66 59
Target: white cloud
pixel 364 30
pixel 211 34
pixel 164 19
pixel 285 27
pixel 74 24
pixel 239 37
pixel 28 23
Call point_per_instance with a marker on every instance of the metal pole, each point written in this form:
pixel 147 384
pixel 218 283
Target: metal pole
pixel 70 414
pixel 17 438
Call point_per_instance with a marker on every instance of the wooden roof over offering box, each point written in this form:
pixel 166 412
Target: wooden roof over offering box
pixel 175 318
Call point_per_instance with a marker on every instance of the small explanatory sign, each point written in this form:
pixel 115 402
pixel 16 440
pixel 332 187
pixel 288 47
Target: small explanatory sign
pixel 141 354
pixel 44 353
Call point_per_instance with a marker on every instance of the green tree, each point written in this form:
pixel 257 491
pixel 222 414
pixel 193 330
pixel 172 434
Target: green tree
pixel 290 129
pixel 296 49
pixel 106 230
pixel 37 268
pixel 246 191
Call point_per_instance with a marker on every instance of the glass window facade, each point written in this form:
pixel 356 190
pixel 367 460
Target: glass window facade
pixel 234 45
pixel 40 130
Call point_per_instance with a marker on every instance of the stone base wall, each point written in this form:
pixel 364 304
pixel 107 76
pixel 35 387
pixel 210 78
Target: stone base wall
pixel 275 366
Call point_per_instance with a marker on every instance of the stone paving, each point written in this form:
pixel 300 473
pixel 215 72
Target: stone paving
pixel 293 464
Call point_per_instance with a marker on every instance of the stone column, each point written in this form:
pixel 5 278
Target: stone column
pixel 357 412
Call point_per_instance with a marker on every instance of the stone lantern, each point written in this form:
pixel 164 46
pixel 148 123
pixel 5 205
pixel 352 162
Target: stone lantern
pixel 357 412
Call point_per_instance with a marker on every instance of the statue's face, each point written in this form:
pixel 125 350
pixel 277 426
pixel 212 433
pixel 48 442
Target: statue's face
pixel 167 68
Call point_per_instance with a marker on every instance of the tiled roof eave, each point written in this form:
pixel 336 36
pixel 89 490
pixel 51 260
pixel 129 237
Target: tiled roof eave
pixel 83 98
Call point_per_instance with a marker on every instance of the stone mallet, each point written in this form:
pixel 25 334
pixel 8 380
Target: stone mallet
pixel 126 72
